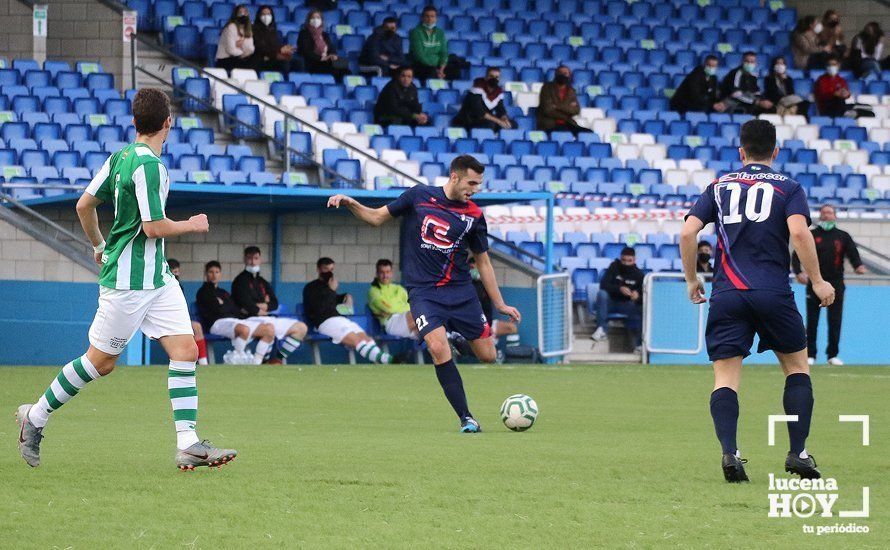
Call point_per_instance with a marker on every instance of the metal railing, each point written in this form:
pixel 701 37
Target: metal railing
pixel 288 117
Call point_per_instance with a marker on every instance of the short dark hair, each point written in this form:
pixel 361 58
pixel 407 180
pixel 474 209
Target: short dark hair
pixel 390 20
pixel 828 205
pixel 211 263
pixel 323 261
pixel 151 108
pixel 747 53
pixel 832 57
pixel 402 69
pixel 383 262
pixel 173 263
pixel 462 163
pixel 492 68
pixel 712 58
pixel 628 251
pixel 758 139
pixel 251 250
pixel 429 7
pixel 703 243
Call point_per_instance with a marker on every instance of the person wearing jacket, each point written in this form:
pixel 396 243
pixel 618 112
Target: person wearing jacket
pixel 316 49
pixel 483 106
pixel 832 246
pixel 428 47
pixel 740 90
pixel 383 49
pixel 236 45
pixel 621 291
pixel 269 54
pixel 398 102
pixel 558 103
pixel 831 90
pixel 805 47
pixel 698 91
pixel 779 89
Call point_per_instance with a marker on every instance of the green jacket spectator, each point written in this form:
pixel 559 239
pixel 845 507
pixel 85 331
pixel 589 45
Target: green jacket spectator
pixel 428 47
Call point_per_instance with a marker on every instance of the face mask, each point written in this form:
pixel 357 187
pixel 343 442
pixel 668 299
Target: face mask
pixel 832 70
pixel 389 33
pixel 429 25
pixel 561 79
pixel 834 23
pixel 474 273
pixel 780 69
pixel 492 82
pixel 266 19
pixel 704 257
pixel 710 71
pixel 827 226
pixel 750 67
pixel 818 28
pixel 315 22
pixel 252 269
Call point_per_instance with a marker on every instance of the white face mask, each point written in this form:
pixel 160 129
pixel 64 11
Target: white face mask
pixel 266 19
pixel 252 269
pixel 832 70
pixel 779 68
pixel 818 28
pixel 315 22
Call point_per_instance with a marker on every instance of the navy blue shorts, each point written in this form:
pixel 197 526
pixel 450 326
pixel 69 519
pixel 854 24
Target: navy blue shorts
pixel 736 315
pixel 461 313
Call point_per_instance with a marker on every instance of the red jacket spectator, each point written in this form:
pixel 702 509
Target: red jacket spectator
pixel 827 101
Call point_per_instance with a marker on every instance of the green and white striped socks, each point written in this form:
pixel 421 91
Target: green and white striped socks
pixel 370 351
pixel 184 398
pixel 287 346
pixel 70 380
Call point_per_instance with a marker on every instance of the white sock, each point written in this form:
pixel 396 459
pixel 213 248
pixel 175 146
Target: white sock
pixel 184 398
pixel 288 346
pixel 803 454
pixel 68 383
pixel 202 360
pixel 239 343
pixel 262 348
pixel 370 351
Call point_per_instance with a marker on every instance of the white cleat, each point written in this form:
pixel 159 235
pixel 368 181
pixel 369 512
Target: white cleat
pixel 811 361
pixel 835 362
pixel 599 335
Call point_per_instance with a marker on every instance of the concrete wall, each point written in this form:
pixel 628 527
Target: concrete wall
pixel 305 237
pixel 85 30
pixel 16 40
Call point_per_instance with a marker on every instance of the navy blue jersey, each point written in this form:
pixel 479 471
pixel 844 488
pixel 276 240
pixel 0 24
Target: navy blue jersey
pixel 750 209
pixel 437 235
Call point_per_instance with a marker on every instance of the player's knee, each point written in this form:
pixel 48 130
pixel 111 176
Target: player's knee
pixel 266 332
pixel 487 355
pixel 298 330
pixel 439 350
pixel 185 352
pixel 241 331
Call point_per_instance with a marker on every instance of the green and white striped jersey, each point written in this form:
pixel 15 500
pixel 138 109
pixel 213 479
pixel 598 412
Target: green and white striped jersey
pixel 136 181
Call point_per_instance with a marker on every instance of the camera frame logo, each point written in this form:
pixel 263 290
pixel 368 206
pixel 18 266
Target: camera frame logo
pixel 790 497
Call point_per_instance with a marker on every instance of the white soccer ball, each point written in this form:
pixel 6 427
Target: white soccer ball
pixel 519 412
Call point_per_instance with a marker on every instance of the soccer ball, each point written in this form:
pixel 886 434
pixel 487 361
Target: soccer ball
pixel 519 412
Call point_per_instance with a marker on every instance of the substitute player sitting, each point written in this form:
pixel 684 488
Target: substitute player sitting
pixel 136 289
pixel 389 303
pixel 443 225
pixel 755 211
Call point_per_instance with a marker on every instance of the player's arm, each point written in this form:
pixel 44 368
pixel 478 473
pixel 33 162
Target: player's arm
pixel 147 180
pixel 689 252
pixel 805 246
pixel 371 216
pixel 489 281
pixel 166 228
pixel 89 220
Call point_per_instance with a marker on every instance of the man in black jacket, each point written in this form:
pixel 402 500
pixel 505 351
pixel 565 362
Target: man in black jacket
pixel 398 103
pixel 325 309
pixel 256 297
pixel 832 246
pixel 383 49
pixel 621 291
pixel 698 91
pixel 740 90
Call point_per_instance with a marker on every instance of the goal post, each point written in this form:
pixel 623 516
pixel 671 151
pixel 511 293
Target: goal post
pixel 554 315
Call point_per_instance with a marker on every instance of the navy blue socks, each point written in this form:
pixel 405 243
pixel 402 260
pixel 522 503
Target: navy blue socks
pixel 453 386
pixel 725 412
pixel 798 399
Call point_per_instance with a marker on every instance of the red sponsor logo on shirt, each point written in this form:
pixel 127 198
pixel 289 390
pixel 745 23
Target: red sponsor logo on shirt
pixel 434 231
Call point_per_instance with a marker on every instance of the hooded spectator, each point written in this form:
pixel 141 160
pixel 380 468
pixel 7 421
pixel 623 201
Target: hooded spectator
pixel 383 49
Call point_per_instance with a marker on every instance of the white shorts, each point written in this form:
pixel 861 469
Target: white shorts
pixel 225 327
pixel 159 312
pixel 397 325
pixel 336 328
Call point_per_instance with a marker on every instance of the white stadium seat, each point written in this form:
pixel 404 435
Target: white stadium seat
pixel 642 139
pixel 604 127
pixel 881 183
pixel 525 100
pixel 243 75
pixel 626 151
pixel 340 129
pixel 856 159
pixel 664 164
pixel 830 157
pixel 703 178
pixel 256 87
pixel 359 141
pixel 879 135
pixel 795 120
pixel 807 132
pixel 652 153
pixel 690 165
pixel 775 119
pixel 676 178
pixel 784 132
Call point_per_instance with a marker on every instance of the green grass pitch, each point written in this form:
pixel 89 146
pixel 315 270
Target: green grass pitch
pixel 346 457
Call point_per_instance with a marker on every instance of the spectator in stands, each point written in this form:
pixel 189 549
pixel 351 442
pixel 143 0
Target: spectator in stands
pixel 621 291
pixel 322 5
pixel 832 246
pixel 808 53
pixel 324 308
pixel 483 106
pixel 698 91
pixel 779 89
pixel 316 49
pixel 867 50
pixel 831 90
pixel 389 303
pixel 558 103
pixel 705 253
pixel 236 45
pixel 740 90
pixel 499 327
pixel 831 36
pixel 221 316
pixel 269 54
pixel 256 297
pixel 175 269
pixel 383 49
pixel 398 103
pixel 428 47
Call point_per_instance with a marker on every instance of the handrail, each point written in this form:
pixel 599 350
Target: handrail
pixel 287 149
pixel 56 227
pixel 874 252
pixel 274 107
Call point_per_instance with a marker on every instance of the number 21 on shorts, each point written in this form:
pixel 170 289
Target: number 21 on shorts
pixel 421 322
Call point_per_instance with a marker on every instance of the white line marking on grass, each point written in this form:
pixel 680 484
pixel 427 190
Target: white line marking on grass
pixel 863 418
pixel 771 426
